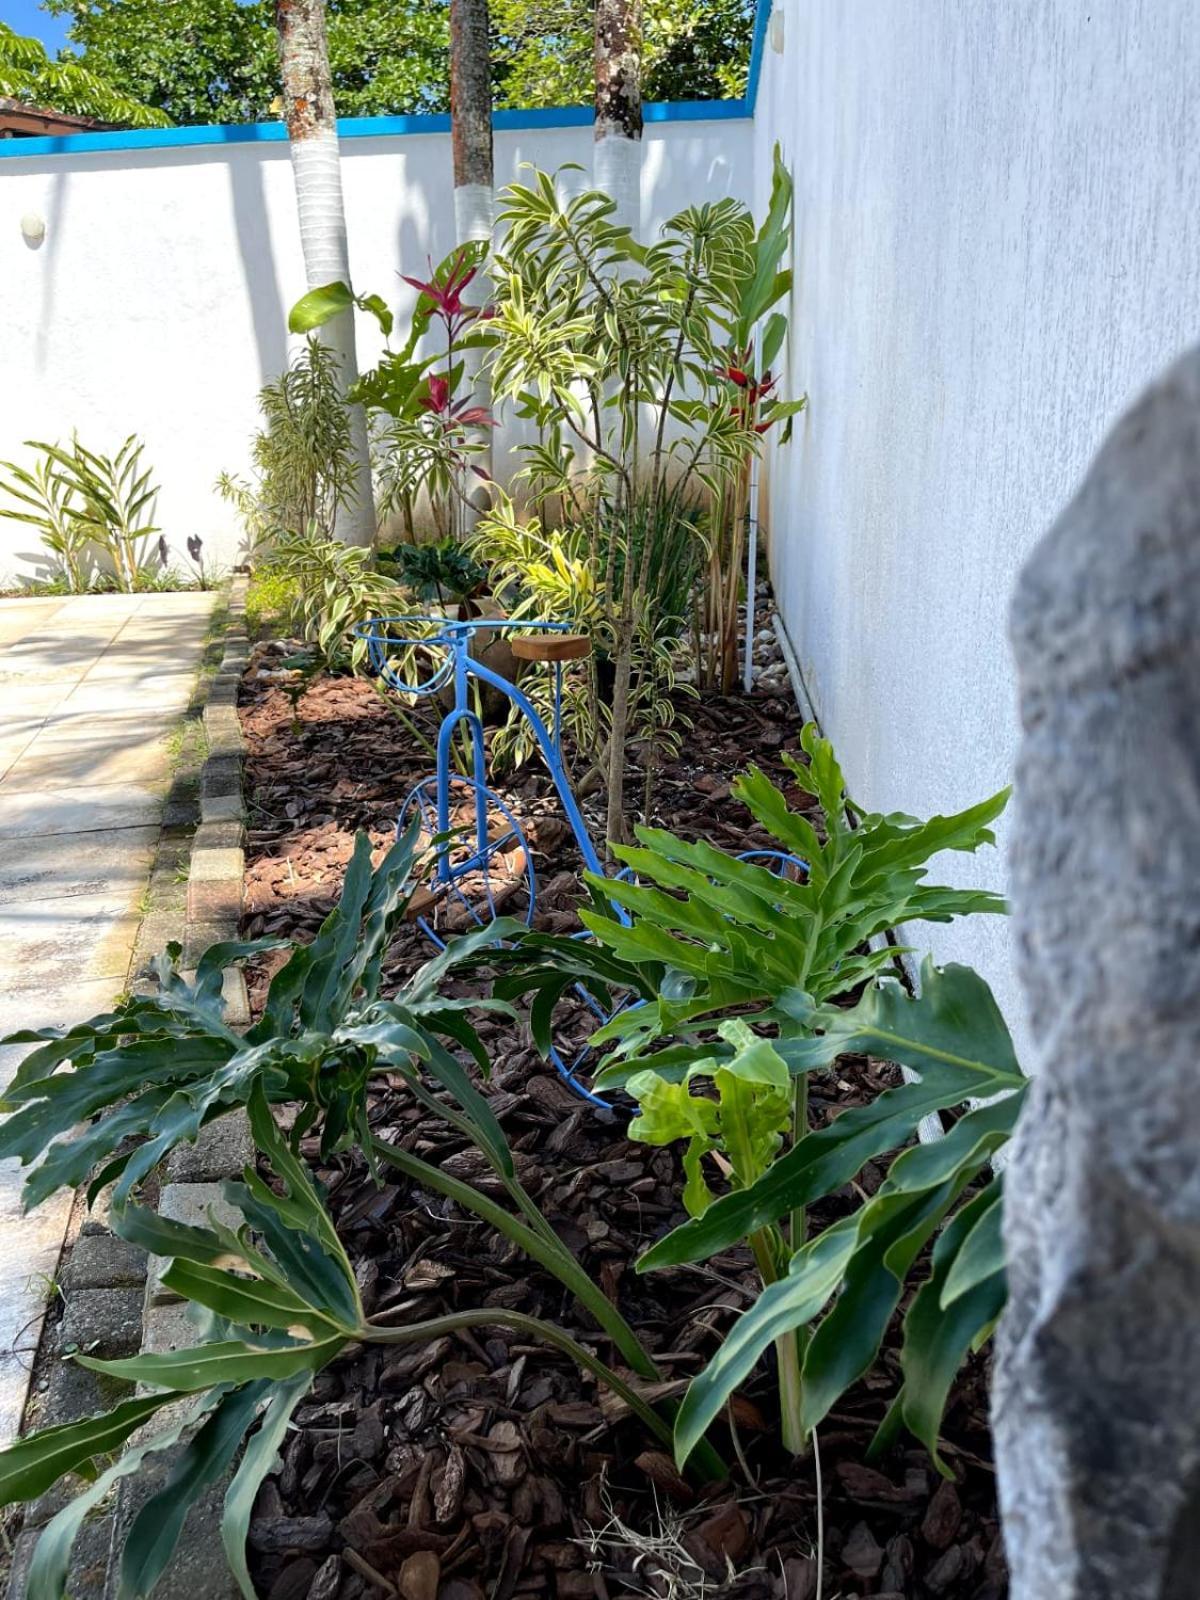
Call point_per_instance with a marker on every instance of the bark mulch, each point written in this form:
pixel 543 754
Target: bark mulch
pixel 486 1466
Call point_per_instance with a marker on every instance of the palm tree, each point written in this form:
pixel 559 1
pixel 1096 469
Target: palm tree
pixel 617 169
pixel 313 141
pixel 471 146
pixel 28 74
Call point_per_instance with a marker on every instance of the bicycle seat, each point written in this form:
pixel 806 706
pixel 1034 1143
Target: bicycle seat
pixel 550 646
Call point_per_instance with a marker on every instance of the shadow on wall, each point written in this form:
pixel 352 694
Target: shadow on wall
pixel 55 224
pixel 681 167
pixel 253 228
pixel 244 165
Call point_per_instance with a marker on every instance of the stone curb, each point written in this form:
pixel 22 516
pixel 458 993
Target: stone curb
pixel 195 1174
pixel 218 863
pixel 115 1304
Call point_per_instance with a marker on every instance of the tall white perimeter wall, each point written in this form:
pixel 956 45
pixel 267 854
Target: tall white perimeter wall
pixel 158 302
pixel 997 245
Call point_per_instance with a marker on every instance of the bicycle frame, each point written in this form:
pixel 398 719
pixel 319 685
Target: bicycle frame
pixel 459 668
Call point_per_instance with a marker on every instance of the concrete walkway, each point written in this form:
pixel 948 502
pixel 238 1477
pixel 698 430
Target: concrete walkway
pixel 90 688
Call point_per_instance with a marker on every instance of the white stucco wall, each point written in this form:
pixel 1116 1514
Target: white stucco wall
pixel 158 302
pixel 997 244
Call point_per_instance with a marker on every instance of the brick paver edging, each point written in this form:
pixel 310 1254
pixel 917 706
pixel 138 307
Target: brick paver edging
pixel 115 1302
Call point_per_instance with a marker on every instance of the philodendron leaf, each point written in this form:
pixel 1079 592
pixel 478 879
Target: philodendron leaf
pixel 954 1022
pixel 790 1303
pixel 163 1236
pixel 256 1463
pixel 30 1466
pixel 319 306
pixel 246 1302
pixel 51 1558
pixel 155 1530
pixel 981 1254
pixel 937 1337
pixel 226 1361
pixel 746 1121
pixel 817 1165
pixel 892 1231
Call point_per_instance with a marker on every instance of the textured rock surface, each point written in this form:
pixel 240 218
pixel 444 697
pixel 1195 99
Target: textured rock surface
pixel 1097 1407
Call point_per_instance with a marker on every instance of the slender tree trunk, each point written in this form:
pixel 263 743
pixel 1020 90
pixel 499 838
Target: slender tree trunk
pixel 471 145
pixel 313 141
pixel 618 161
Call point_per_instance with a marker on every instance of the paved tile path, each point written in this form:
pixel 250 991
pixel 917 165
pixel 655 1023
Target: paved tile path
pixel 90 689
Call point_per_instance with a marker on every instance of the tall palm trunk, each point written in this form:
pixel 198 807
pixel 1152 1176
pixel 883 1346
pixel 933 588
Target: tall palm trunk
pixel 617 170
pixel 471 146
pixel 313 141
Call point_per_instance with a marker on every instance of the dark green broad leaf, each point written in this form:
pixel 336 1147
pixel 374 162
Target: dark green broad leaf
pixel 227 1361
pixel 256 1463
pixel 247 1302
pixel 155 1530
pixel 937 1337
pixel 51 1558
pixel 981 1255
pixel 30 1466
pixel 893 845
pixel 954 1022
pixel 892 1232
pixel 319 306
pixel 295 1225
pixel 792 1302
pixel 162 1236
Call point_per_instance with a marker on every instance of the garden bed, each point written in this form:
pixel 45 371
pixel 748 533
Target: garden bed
pixel 486 1465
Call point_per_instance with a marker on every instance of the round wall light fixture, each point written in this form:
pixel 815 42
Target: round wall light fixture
pixel 33 229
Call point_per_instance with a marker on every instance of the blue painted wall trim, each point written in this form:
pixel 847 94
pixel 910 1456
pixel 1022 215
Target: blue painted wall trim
pixel 391 127
pixel 761 19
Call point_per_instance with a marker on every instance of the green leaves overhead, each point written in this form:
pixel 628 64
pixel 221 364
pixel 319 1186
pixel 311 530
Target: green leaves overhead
pixel 28 74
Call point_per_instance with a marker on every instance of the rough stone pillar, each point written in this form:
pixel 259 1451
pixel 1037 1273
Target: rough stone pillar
pixel 1097 1390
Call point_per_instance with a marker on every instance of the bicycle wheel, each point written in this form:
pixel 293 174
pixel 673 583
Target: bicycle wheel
pixel 484 871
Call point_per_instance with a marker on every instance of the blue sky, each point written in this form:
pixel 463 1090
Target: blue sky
pixel 26 16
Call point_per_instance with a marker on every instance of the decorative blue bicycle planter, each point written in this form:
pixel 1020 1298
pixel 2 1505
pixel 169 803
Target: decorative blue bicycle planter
pixel 443 797
pixel 483 849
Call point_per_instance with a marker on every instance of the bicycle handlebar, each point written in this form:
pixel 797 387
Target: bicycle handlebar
pixel 381 642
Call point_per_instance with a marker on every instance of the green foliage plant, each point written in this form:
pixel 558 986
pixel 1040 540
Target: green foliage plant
pixel 613 351
pixel 278 1301
pixel 428 426
pixel 105 1102
pixel 326 587
pixel 45 500
pixel 437 572
pixel 750 394
pixel 744 979
pixel 28 74
pixel 81 500
pixel 303 460
pixel 561 574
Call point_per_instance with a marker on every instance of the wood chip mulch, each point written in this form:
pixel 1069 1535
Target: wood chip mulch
pixel 486 1466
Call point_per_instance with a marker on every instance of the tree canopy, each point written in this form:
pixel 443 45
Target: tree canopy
pixel 214 60
pixel 28 74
